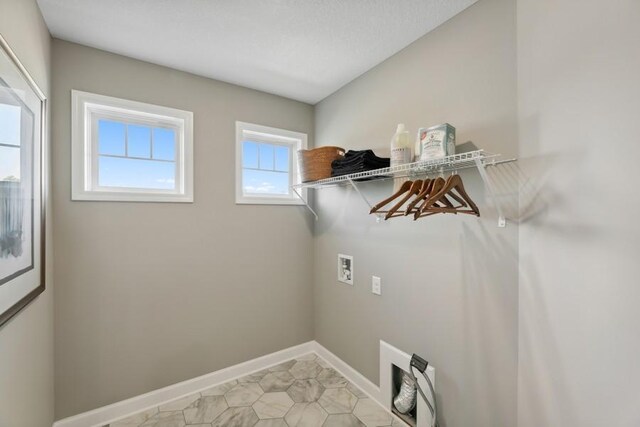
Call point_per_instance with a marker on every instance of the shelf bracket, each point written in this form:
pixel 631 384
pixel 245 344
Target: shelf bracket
pixel 305 202
pixel 502 222
pixel 355 187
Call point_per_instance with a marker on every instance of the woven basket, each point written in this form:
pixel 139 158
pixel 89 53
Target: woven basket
pixel 315 164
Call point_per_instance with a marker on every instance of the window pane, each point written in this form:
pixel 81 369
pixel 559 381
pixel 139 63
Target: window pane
pixel 266 156
pixel 164 144
pixel 9 163
pixel 9 124
pixel 134 173
pixel 265 182
pixel 139 140
pixel 282 158
pixel 249 155
pixel 111 137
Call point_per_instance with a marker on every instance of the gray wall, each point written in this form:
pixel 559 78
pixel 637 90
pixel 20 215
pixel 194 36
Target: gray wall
pixel 579 103
pixel 449 283
pixel 26 341
pixel 151 294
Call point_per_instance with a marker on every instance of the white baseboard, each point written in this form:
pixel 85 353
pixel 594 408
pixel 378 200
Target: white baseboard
pixel 359 380
pixel 102 416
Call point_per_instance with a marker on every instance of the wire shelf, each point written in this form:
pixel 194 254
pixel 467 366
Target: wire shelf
pixel 478 159
pixel 454 162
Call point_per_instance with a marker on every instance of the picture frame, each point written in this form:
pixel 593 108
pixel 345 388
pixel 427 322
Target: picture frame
pixel 23 112
pixel 345 269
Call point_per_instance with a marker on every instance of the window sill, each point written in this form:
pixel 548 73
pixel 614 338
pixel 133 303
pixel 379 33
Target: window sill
pixel 110 196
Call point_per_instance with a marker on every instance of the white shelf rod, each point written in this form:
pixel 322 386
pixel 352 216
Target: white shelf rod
pixel 355 187
pixel 502 222
pixel 305 202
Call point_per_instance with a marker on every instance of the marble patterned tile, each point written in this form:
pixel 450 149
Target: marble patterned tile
pixel 276 381
pixel 283 366
pixel 305 390
pixel 166 419
pixel 372 414
pixel 273 422
pixel 273 405
pixel 219 390
pixel 254 377
pixel 308 356
pixel 305 369
pixel 135 420
pixel 244 394
pixel 356 391
pixel 320 361
pixel 243 416
pixel 330 378
pixel 306 415
pixel 205 410
pixel 295 413
pixel 179 404
pixel 338 401
pixel 343 420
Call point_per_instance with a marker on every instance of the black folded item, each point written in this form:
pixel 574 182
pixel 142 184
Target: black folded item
pixel 356 161
pixel 355 155
pixel 353 169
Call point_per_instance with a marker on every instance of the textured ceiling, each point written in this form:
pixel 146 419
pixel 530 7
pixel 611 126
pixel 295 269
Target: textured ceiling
pixel 300 49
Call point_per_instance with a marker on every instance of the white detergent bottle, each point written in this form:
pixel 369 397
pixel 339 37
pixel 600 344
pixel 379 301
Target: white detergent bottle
pixel 401 151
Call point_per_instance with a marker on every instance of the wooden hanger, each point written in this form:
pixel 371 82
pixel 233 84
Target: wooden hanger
pixel 403 189
pixel 454 182
pixel 445 198
pixel 430 204
pixel 442 205
pixel 424 191
pixel 429 189
pixel 454 196
pixel 413 190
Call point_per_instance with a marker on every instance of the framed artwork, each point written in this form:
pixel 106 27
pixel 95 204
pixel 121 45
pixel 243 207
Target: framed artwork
pixel 345 269
pixel 22 185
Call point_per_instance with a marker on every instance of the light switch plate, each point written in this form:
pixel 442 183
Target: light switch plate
pixel 376 285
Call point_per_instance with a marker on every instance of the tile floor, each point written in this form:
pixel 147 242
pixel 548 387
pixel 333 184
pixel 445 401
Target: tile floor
pixel 305 392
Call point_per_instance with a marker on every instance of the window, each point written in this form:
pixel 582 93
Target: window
pixel 266 165
pixel 130 151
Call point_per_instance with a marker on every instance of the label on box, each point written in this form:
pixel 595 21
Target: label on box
pixel 433 144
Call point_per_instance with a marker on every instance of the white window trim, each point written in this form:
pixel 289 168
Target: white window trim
pixel 269 135
pixel 85 106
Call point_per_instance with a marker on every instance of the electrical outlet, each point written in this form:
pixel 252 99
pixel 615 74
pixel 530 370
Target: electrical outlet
pixel 376 285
